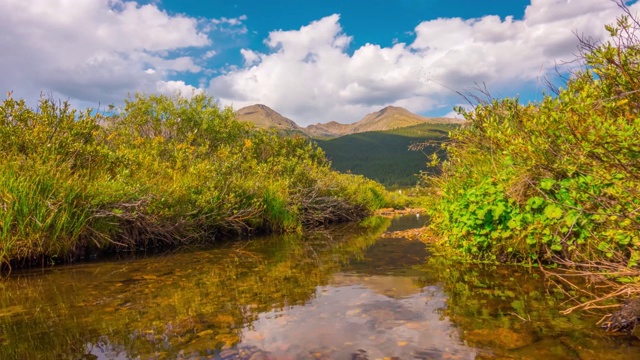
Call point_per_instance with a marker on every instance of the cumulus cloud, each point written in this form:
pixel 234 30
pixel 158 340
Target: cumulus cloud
pixel 177 87
pixel 309 75
pixel 93 50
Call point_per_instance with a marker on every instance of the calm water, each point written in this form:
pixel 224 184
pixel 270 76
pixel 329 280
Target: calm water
pixel 339 294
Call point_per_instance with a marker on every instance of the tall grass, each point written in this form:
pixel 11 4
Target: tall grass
pixel 43 214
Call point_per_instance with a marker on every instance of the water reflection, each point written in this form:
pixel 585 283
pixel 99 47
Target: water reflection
pixel 406 222
pixel 160 307
pixel 340 294
pixel 348 321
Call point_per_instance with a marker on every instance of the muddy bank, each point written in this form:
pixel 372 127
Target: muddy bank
pixel 411 234
pixel 391 212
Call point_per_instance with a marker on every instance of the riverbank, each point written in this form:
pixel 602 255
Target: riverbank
pixel 391 212
pixel 592 280
pixel 161 171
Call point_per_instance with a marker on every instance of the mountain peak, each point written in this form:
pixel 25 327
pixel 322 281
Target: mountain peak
pixel 392 108
pixel 390 111
pixel 390 117
pixel 264 117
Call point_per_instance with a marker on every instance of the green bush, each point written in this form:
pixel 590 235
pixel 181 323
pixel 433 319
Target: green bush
pixel 554 179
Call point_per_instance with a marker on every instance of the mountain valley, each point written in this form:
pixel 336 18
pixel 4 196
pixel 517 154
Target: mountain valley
pixel 377 146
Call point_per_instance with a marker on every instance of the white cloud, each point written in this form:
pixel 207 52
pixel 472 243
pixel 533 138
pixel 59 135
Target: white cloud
pixel 209 54
pixel 177 87
pixel 250 57
pixel 228 25
pixel 543 12
pixel 309 76
pixel 92 50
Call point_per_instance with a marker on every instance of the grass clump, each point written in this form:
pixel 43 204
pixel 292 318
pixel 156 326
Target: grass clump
pixel 162 170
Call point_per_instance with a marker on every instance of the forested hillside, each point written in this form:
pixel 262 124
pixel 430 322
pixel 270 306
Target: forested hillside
pixel 384 156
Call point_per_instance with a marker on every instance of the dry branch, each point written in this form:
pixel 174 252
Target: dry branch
pixel 596 281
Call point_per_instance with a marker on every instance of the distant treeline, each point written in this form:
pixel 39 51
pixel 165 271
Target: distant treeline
pixel 384 156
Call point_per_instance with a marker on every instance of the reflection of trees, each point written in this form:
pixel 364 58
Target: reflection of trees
pixel 504 306
pixel 192 301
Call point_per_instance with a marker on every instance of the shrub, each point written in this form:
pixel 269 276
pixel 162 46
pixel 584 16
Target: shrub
pixel 557 178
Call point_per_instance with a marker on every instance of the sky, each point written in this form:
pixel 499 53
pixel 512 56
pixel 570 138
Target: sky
pixel 312 61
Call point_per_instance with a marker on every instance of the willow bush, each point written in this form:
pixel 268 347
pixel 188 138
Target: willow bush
pixel 161 170
pixel 559 178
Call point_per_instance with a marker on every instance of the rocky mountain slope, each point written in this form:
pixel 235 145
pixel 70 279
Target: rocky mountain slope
pixel 263 116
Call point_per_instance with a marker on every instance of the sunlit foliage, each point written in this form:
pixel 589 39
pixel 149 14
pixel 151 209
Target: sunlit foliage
pixel 161 170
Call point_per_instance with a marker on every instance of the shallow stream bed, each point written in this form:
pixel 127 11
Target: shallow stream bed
pixel 344 293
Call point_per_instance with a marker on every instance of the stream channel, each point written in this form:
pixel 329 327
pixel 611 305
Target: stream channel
pixel 342 293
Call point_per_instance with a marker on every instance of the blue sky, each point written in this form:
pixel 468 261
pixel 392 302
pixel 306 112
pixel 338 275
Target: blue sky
pixel 382 22
pixel 312 61
pixel 368 21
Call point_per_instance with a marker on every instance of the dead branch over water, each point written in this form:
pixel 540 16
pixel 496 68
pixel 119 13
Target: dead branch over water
pixel 602 282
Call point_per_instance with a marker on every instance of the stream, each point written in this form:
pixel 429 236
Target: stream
pixel 341 293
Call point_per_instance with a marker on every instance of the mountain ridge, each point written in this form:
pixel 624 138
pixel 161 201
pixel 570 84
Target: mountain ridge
pixel 388 118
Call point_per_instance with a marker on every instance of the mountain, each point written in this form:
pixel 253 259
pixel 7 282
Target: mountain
pixel 393 117
pixel 264 117
pixel 376 146
pixel 389 118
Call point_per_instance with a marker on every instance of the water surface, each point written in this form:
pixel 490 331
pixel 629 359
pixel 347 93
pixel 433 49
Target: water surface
pixel 344 293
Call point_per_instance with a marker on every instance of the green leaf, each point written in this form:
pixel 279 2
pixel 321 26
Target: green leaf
pixel 603 246
pixel 535 202
pixel 498 210
pixel 547 184
pixel 518 305
pixel 553 211
pixel 571 218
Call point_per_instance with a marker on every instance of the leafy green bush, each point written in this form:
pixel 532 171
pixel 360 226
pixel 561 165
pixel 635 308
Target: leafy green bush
pixel 558 178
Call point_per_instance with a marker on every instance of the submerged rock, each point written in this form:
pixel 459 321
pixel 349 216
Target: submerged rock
pixel 546 349
pixel 502 338
pixel 626 319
